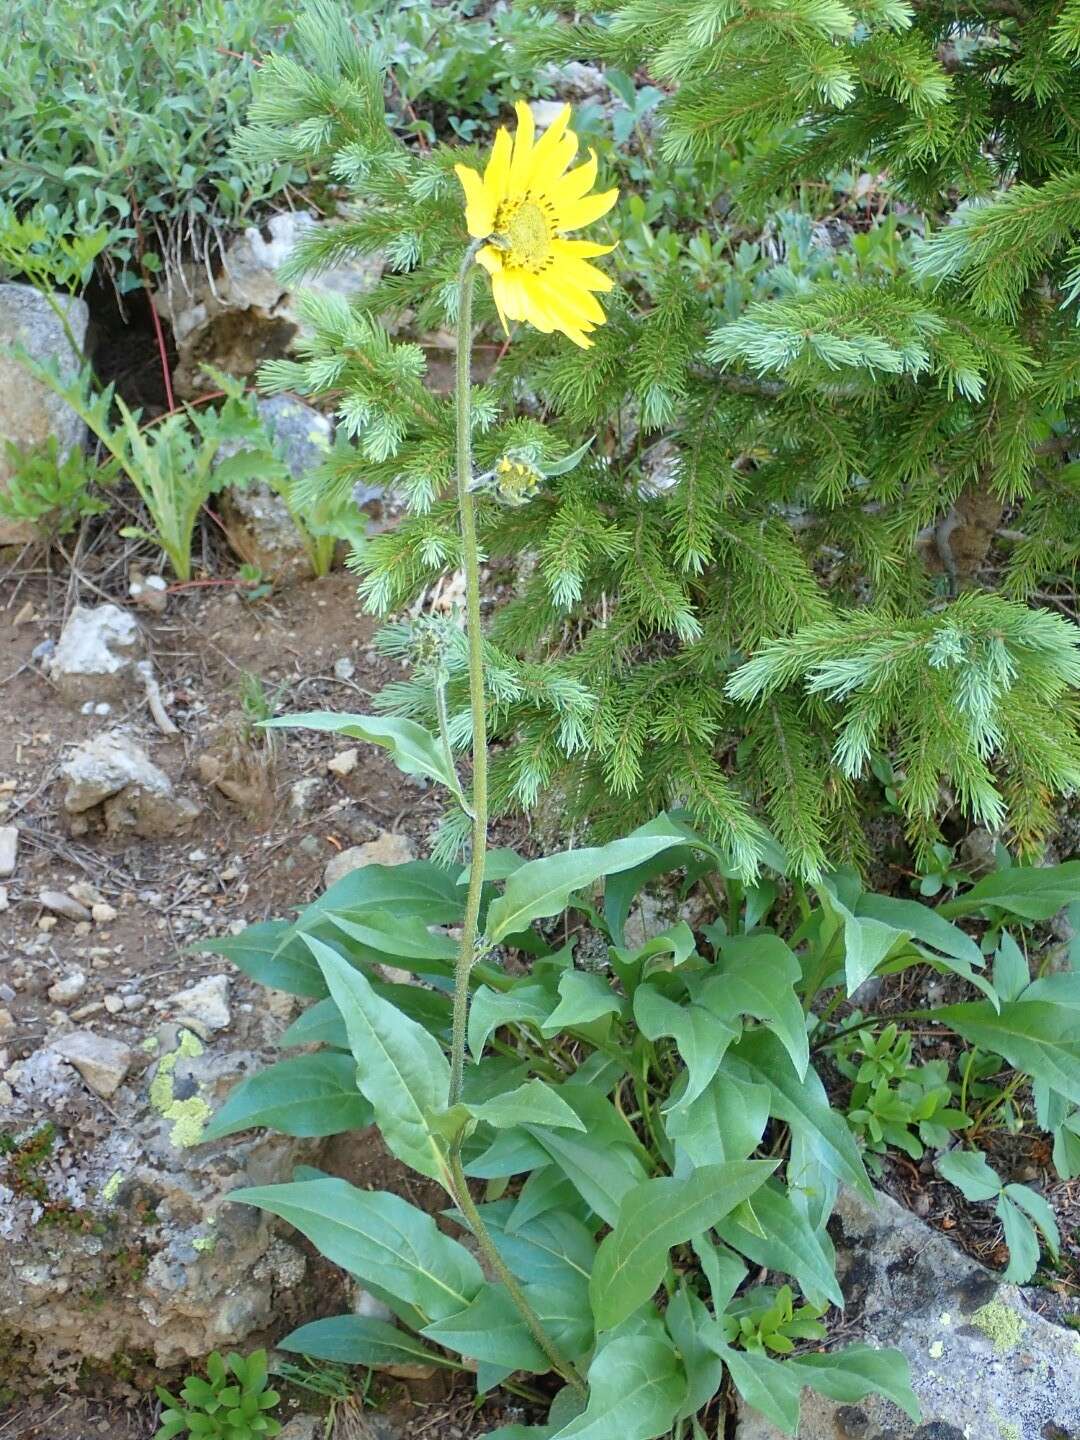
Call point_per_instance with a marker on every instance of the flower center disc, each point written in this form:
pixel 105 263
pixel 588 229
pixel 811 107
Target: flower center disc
pixel 527 231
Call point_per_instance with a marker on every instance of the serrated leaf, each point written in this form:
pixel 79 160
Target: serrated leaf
pixel 653 1217
pixel 532 1103
pixel 756 975
pixel 849 1375
pixel 414 750
pixel 360 1340
pixel 543 887
pixel 306 1096
pixel 400 1068
pixel 378 1237
pixel 636 1388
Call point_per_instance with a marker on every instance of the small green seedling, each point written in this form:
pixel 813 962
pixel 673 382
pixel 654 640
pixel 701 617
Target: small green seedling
pixel 233 1404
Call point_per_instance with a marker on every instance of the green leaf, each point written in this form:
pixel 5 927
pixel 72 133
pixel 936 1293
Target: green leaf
pixel 378 1237
pixel 259 951
pixel 725 1122
pixel 360 1340
pixel 543 887
pixel 636 1388
pixel 1031 892
pixel 790 1244
pixel 866 941
pixel 1039 1037
pixel 399 1067
pixel 801 1103
pixel 402 938
pixel 320 1024
pixel 308 1095
pixel 601 1176
pixel 969 1172
pixel 532 1103
pixel 1021 1239
pixel 414 750
pixel 954 951
pixel 756 975
pixel 490 1328
pixel 553 1247
pixel 769 1386
pixel 653 1217
pixel 1039 1211
pixel 584 997
pixel 686 1317
pixel 700 1036
pixel 528 1001
pixel 849 1375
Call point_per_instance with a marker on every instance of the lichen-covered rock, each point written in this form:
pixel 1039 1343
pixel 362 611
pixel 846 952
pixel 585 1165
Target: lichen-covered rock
pixel 984 1365
pixel 30 413
pixel 245 315
pixel 115 1231
pixel 114 775
pixel 96 655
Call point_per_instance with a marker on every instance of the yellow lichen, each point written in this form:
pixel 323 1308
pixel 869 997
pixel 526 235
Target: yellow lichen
pixel 937 1349
pixel 1001 1325
pixel 111 1187
pixel 189 1116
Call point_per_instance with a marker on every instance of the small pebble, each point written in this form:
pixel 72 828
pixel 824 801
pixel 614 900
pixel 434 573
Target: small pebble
pixel 344 763
pixel 47 923
pixel 103 913
pixel 344 668
pixel 63 904
pixel 69 988
pixel 113 1004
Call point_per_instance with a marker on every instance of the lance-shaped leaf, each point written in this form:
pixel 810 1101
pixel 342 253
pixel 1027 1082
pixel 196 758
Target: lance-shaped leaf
pixel 636 1388
pixel 1033 892
pixel 725 1122
pixel 653 1217
pixel 414 750
pixel 400 1067
pixel 532 1103
pixel 756 975
pixel 528 1001
pixel 601 1176
pixel 543 887
pixel 700 1036
pixel 785 1241
pixel 309 1095
pixel 867 941
pixel 378 1237
pixel 583 998
pixel 361 1340
pixel 849 1375
pixel 491 1329
pixel 1039 1037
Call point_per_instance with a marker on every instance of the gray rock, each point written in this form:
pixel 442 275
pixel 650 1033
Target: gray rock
pixel 207 1001
pixel 31 412
pixel 96 655
pixel 305 797
pixel 174 1269
pixel 63 905
pixel 9 849
pixel 983 1364
pixel 246 315
pixel 101 1061
pixel 257 520
pixel 389 849
pixel 68 989
pixel 114 773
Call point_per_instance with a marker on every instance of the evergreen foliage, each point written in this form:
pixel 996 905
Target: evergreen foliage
pixel 827 483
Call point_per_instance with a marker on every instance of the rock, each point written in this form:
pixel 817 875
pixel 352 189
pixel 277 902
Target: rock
pixel 86 894
pixel 149 592
pixel 101 1061
pixel 305 796
pixel 31 413
pixel 344 762
pixel 246 315
pixel 983 1364
pixel 257 520
pixel 545 112
pixel 389 849
pixel 9 849
pixel 66 906
pixel 103 914
pixel 136 1211
pixel 304 1427
pixel 114 773
pixel 96 654
pixel 344 668
pixel 206 1001
pixel 68 989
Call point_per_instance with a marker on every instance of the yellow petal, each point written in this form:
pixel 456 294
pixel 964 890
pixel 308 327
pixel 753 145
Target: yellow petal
pixel 479 210
pixel 490 259
pixel 521 163
pixel 583 275
pixel 584 212
pixel 580 249
pixel 498 294
pixel 575 184
pixel 498 167
pixel 568 301
pixel 550 148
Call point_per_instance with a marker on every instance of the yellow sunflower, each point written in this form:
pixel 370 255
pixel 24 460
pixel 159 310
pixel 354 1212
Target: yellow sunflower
pixel 524 204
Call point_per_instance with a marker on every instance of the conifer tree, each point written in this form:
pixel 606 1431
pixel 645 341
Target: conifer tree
pixel 826 521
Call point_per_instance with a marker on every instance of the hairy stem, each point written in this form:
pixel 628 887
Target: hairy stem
pixel 471 561
pixel 467 950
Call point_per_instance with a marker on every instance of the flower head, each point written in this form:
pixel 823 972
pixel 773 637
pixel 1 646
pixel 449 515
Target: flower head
pixel 523 205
